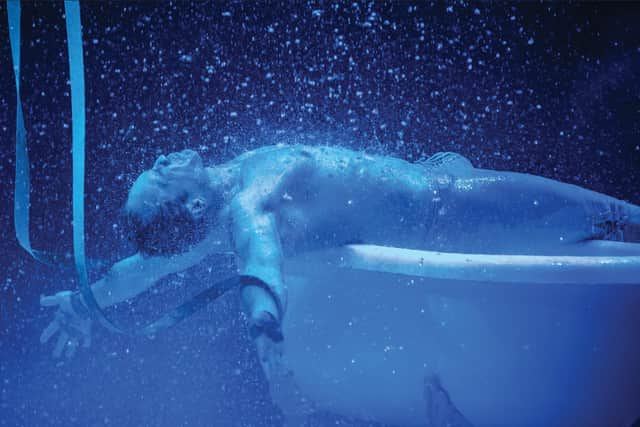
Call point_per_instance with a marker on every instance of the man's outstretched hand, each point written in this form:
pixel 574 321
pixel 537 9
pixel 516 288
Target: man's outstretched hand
pixel 71 320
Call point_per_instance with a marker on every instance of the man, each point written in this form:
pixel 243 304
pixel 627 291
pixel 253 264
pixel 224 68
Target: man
pixel 277 201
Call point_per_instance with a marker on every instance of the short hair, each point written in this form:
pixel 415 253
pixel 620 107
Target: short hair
pixel 171 229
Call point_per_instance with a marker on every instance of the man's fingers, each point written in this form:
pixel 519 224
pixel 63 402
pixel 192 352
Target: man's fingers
pixel 71 348
pixel 62 340
pixel 49 300
pixel 49 331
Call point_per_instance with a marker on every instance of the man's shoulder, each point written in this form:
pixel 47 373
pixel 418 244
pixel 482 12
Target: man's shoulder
pixel 276 150
pixel 272 155
pixel 271 160
pixel 299 151
pixel 257 154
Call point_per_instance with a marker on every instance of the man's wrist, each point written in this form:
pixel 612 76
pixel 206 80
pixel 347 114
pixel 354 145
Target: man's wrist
pixel 78 304
pixel 249 280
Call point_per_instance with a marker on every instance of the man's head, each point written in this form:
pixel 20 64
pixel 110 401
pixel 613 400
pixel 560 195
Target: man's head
pixel 168 207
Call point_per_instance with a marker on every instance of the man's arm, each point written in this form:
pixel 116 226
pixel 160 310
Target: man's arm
pixel 133 275
pixel 257 244
pixel 254 214
pixel 128 278
pixel 125 279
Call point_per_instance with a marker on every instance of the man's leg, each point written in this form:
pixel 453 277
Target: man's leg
pixel 506 212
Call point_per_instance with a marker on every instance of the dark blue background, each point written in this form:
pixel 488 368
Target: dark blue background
pixel 550 89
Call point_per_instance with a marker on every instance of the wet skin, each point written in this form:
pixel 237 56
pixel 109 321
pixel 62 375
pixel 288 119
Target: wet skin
pixel 277 201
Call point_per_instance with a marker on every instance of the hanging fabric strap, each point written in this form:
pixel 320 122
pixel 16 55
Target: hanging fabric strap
pixel 76 72
pixel 189 307
pixel 76 77
pixel 22 183
pixel 23 186
pixel 22 198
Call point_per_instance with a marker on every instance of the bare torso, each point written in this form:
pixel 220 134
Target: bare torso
pixel 327 196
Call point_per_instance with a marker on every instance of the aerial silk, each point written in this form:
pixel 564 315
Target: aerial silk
pixel 22 183
pixel 514 340
pixel 76 72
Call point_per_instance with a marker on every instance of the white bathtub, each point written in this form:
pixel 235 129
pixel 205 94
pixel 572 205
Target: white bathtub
pixel 559 348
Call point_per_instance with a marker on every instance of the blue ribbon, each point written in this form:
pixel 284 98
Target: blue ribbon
pixel 76 72
pixel 23 186
pixel 22 201
pixel 76 76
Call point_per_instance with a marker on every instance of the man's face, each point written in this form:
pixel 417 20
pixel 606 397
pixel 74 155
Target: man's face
pixel 173 177
pixel 182 164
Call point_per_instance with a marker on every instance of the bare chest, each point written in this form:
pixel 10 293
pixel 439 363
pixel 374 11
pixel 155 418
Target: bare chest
pixel 333 212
